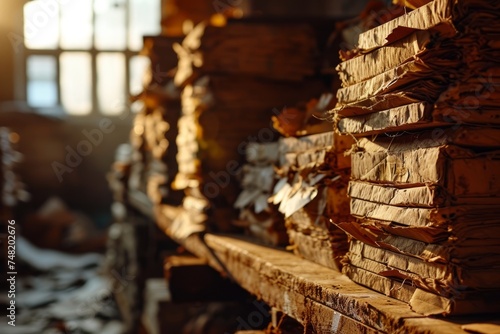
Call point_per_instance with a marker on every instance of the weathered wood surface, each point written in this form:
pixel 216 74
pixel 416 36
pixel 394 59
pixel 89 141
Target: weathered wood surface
pixel 318 297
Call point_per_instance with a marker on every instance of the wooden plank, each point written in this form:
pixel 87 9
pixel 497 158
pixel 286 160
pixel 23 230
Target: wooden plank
pixel 318 297
pixel 314 295
pixel 310 313
pixel 296 305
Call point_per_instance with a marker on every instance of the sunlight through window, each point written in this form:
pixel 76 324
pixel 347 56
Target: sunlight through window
pixel 76 80
pixel 82 54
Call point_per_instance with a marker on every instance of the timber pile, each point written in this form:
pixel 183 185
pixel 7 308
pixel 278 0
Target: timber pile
pixel 154 132
pixel 426 201
pixel 267 50
pixel 312 188
pixel 231 83
pixel 147 165
pixel 260 218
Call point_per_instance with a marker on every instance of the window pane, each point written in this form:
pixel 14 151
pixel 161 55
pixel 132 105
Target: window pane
pixel 76 80
pixel 111 83
pixel 42 86
pixel 144 20
pixel 138 67
pixel 110 24
pixel 42 93
pixel 41 24
pixel 76 24
pixel 41 68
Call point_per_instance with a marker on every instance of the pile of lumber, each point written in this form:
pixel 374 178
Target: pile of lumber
pixel 260 218
pixel 414 73
pixel 425 188
pixel 266 163
pixel 226 105
pixel 154 132
pixel 267 50
pixel 311 191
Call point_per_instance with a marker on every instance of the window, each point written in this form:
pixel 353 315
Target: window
pixel 82 55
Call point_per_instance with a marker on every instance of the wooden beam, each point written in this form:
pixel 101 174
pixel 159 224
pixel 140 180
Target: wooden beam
pixel 320 298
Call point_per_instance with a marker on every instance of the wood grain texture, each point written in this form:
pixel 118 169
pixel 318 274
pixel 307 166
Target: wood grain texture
pixel 320 298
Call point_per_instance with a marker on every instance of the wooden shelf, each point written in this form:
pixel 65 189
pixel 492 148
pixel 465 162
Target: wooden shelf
pixel 315 295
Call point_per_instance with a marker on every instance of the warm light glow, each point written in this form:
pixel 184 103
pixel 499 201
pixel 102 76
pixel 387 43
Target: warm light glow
pixel 111 83
pixel 14 137
pixel 76 81
pixel 76 24
pixel 138 67
pixel 41 25
pixel 144 20
pixel 110 19
pixel 218 20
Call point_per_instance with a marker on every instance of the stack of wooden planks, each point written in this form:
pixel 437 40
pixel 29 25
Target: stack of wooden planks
pixel 288 160
pixel 267 50
pixel 422 97
pixel 259 217
pixel 312 189
pixel 231 82
pixel 154 132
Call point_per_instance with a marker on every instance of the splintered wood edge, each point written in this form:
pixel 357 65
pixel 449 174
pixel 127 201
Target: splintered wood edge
pixel 318 297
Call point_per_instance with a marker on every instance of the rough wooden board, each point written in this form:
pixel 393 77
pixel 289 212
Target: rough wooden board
pixel 315 250
pixel 424 18
pixel 336 322
pixel 383 59
pixel 240 265
pixel 293 303
pixel 403 118
pixel 296 281
pixel 308 292
pixel 288 283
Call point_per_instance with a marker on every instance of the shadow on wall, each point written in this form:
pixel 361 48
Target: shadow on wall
pixel 66 158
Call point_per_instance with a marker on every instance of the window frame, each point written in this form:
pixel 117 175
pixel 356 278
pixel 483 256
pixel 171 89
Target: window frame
pixel 93 52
